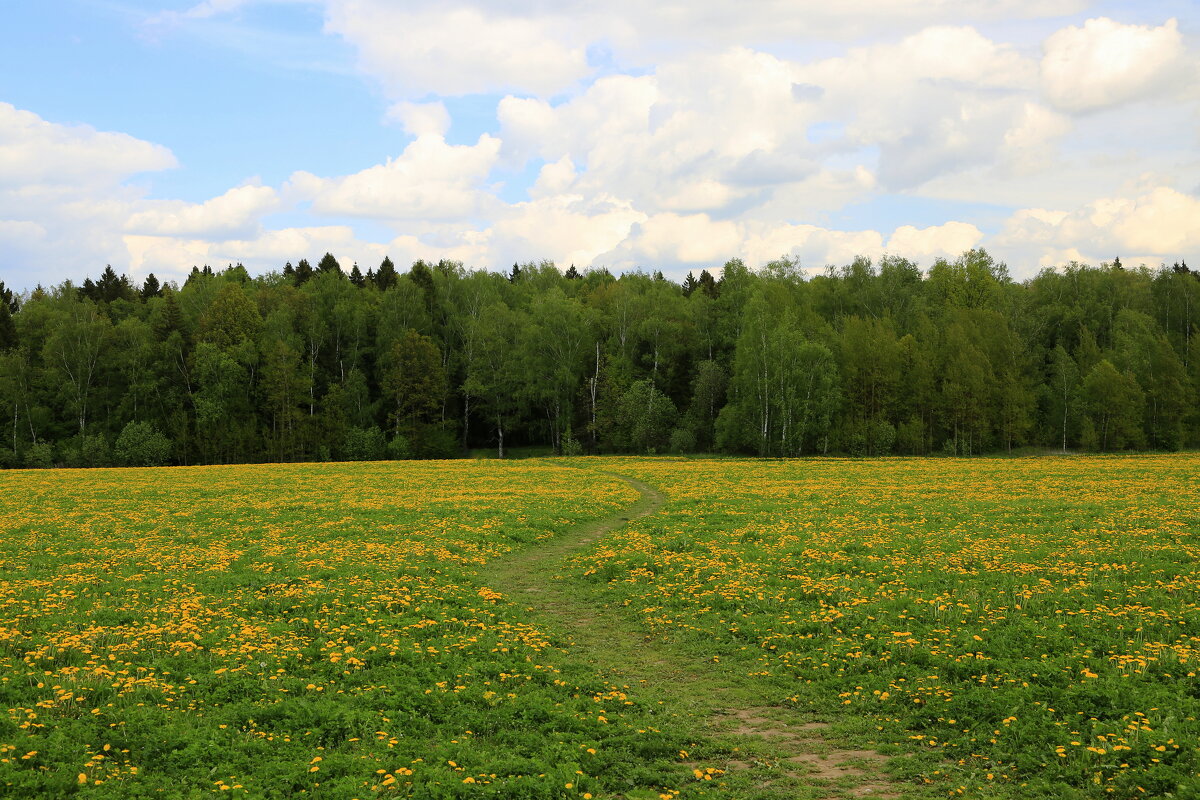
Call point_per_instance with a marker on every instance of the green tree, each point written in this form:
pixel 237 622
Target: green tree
pixel 493 371
pixel 1115 406
pixel 1064 386
pixel 784 388
pixel 870 371
pixel 8 329
pixel 414 384
pixel 232 320
pixel 709 388
pixel 646 419
pixel 329 265
pixel 140 445
pixel 73 352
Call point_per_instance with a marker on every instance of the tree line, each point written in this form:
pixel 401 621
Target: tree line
pixel 871 358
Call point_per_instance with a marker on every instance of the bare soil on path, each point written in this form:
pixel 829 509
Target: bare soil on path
pixel 766 751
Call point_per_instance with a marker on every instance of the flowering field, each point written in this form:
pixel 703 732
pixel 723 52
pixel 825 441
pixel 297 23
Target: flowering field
pixel 273 631
pixel 1003 628
pixel 1029 628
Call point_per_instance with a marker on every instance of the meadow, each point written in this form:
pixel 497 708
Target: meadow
pixel 1000 628
pixel 278 631
pixel 1027 627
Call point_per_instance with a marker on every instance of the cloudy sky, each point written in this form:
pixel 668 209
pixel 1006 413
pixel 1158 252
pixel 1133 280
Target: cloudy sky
pixel 155 135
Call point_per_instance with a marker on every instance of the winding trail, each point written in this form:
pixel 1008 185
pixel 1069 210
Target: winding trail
pixel 774 753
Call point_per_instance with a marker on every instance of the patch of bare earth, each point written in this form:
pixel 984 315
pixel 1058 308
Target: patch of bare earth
pixel 853 773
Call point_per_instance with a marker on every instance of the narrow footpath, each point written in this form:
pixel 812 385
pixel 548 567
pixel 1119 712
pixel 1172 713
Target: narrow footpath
pixel 774 752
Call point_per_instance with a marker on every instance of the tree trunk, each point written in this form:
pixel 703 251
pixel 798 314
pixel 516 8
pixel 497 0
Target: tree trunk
pixel 466 417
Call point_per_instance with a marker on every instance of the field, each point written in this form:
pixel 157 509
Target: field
pixel 908 628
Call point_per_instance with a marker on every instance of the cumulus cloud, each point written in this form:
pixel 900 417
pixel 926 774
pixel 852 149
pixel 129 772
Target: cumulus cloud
pixel 938 101
pixel 672 135
pixel 456 49
pixel 529 46
pixel 421 119
pixel 34 151
pixel 1106 63
pixel 172 255
pixel 702 134
pixel 430 180
pixel 564 227
pixel 936 241
pixel 1159 224
pixel 63 195
pixel 234 212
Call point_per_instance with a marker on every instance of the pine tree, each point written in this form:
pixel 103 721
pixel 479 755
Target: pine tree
pixel 8 330
pixel 329 264
pixel 151 287
pixel 689 285
pixel 9 299
pixel 304 272
pixel 572 274
pixel 356 277
pixel 386 277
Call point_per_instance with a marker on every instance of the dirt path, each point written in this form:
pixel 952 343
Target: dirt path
pixel 774 751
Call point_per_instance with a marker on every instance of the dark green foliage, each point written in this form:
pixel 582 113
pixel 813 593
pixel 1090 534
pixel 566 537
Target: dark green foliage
pixel 329 264
pixel 645 417
pixel 385 278
pixel 151 287
pixel 40 455
pixel 866 359
pixel 8 329
pixel 8 299
pixel 304 272
pixel 140 445
pixel 364 444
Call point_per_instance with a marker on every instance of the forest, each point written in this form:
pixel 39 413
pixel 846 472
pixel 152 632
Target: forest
pixel 871 358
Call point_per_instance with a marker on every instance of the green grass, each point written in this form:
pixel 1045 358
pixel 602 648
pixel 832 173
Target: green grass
pixel 996 628
pixel 1015 628
pixel 314 630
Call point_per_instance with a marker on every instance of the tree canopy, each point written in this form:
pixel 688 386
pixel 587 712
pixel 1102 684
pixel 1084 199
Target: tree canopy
pixel 871 358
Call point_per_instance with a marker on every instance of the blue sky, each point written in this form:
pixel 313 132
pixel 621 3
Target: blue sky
pixel 155 135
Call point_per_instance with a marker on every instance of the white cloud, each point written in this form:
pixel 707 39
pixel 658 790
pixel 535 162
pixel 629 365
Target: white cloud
pixel 234 212
pixel 1158 224
pixel 701 134
pixel 554 178
pixel 1106 63
pixel 530 46
pixel 937 241
pixel 430 180
pixel 675 135
pixel 563 227
pixel 63 196
pixel 455 49
pixel 36 152
pixel 936 102
pixel 421 119
pixel 172 257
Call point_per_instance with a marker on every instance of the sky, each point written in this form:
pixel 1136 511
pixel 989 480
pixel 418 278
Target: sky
pixel 154 135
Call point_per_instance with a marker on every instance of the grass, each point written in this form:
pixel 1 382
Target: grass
pixel 1021 629
pixel 284 631
pixel 533 629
